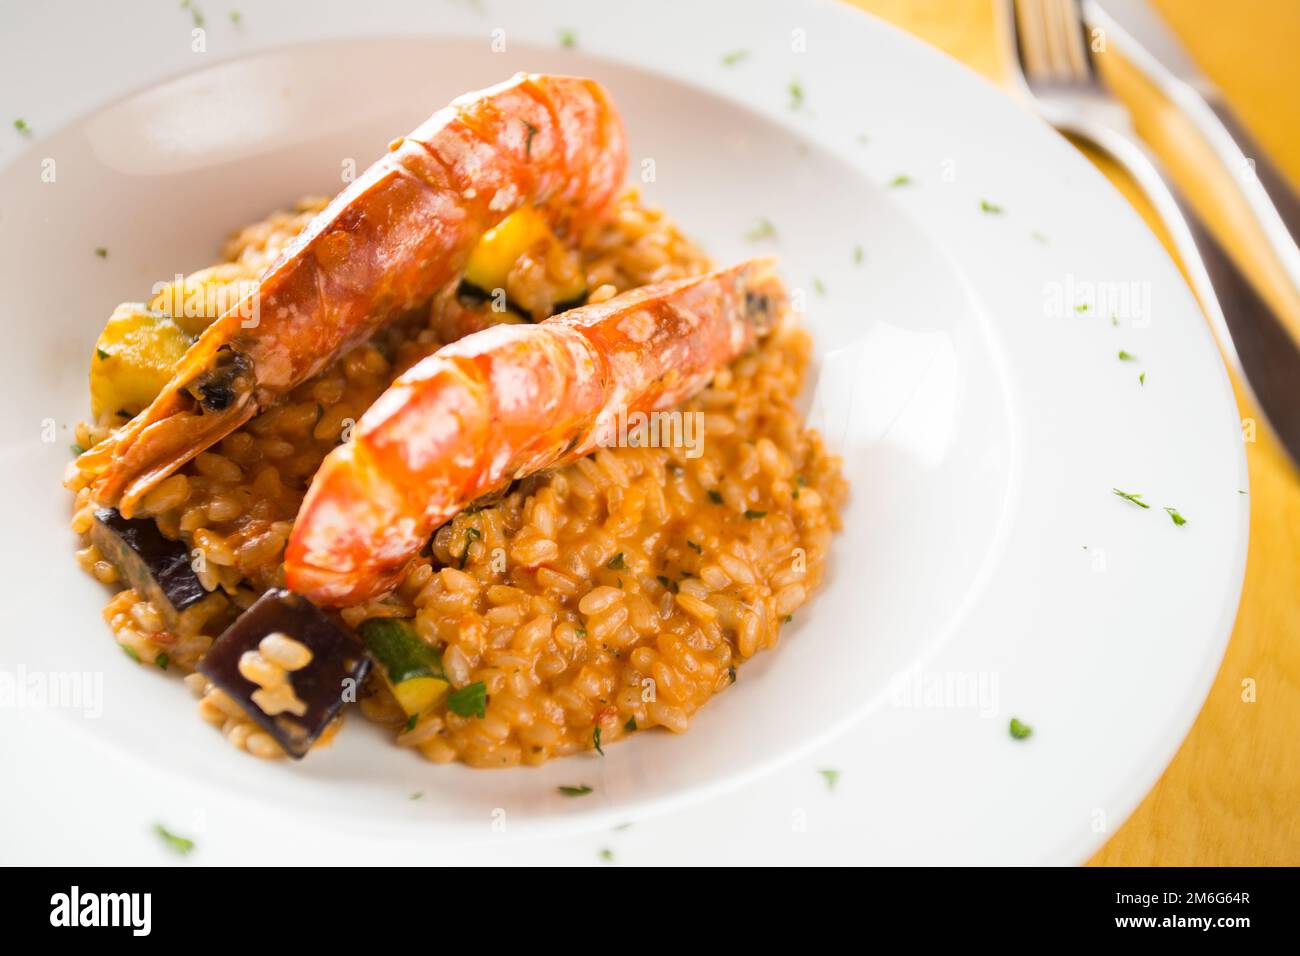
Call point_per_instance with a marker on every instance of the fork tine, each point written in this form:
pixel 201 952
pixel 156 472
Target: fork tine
pixel 1027 25
pixel 1071 36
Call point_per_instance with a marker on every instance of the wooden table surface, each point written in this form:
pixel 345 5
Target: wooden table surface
pixel 1231 796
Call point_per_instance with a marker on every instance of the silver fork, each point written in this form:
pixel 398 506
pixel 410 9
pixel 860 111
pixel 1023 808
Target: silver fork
pixel 1055 60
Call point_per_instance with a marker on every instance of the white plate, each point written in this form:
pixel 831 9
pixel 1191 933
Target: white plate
pixel 985 570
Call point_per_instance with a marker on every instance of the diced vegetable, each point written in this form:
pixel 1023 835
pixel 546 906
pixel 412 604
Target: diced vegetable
pixel 133 359
pixel 333 671
pixel 196 300
pixel 157 567
pixel 411 667
pixel 500 248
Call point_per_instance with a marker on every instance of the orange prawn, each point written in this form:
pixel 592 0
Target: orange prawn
pixel 504 403
pixel 383 247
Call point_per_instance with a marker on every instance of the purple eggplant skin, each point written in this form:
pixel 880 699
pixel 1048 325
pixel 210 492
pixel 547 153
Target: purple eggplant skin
pixel 338 661
pixel 157 567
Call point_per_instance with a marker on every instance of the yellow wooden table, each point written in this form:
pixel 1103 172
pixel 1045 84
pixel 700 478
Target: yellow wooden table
pixel 1232 794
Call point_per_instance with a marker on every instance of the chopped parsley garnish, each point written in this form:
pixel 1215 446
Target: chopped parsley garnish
pixel 77 450
pixel 528 143
pixel 130 652
pixel 763 229
pixel 1127 356
pixel 236 17
pixel 731 673
pixel 410 723
pixel 418 795
pixel 694 547
pixel 715 496
pixel 595 740
pixel 1142 379
pixel 102 354
pixel 473 533
pixel 177 844
pixel 1019 730
pixel 630 725
pixel 902 179
pixel 796 94
pixel 1081 307
pixel 616 563
pixel 993 209
pixel 195 12
pixel 818 286
pixel 162 660
pixel 22 127
pixel 607 855
pixel 858 255
pixel 469 701
pixel 568 38
pixel 101 252
pixel 579 791
pixel 1134 499
pixel 580 631
pixel 734 57
pixel 787 619
pixel 751 514
pixel 832 777
pixel 1176 517
pixel 1039 237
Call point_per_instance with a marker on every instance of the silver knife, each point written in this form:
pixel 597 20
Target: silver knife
pixel 1146 41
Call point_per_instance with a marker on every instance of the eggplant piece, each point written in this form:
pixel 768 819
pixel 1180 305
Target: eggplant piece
pixel 157 567
pixel 337 656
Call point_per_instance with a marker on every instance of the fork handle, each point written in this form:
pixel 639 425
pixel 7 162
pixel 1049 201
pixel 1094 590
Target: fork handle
pixel 1255 342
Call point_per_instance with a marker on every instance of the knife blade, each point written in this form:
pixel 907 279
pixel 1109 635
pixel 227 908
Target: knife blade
pixel 1148 42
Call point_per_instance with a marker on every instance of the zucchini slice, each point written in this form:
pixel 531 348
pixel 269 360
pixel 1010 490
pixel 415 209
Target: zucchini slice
pixel 411 667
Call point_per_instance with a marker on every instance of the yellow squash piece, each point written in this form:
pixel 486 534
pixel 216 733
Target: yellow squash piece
pixel 197 300
pixel 133 359
pixel 522 232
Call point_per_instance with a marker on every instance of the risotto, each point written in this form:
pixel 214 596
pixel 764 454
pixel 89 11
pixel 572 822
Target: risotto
pixel 582 604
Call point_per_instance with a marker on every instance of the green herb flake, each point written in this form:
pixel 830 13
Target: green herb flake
pixel 77 451
pixel 715 496
pixel 1175 517
pixel 22 127
pixel 1126 356
pixel 630 726
pixel 787 619
pixel 473 534
pixel 410 723
pixel 528 142
pixel 130 652
pixel 752 515
pixel 162 660
pixel 763 229
pixel 858 255
pixel 195 12
pixel 1039 238
pixel 102 354
pixel 236 17
pixel 734 57
pixel 832 777
pixel 796 94
pixel 993 209
pixel 1142 379
pixel 1019 730
pixel 469 701
pixel 1131 498
pixel 579 791
pixel 580 631
pixel 902 179
pixel 568 39
pixel 595 740
pixel 731 673
pixel 1082 307
pixel 694 547
pixel 177 844
pixel 616 563
pixel 101 251
pixel 607 855
pixel 418 795
pixel 818 286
